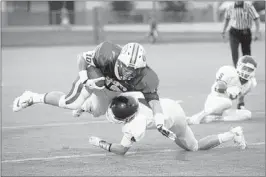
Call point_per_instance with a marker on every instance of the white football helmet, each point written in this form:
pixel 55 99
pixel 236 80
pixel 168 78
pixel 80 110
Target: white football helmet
pixel 246 67
pixel 130 61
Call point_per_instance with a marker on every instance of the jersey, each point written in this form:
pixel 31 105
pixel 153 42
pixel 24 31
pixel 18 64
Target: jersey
pixel 104 58
pixel 134 130
pixel 229 76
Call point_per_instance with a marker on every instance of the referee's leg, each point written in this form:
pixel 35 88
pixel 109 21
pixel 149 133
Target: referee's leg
pixel 234 44
pixel 246 39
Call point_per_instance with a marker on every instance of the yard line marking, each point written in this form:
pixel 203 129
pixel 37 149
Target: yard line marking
pixel 102 154
pixel 55 124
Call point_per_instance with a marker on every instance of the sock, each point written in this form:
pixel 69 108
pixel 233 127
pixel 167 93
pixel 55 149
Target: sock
pixel 209 142
pixel 227 136
pixel 38 98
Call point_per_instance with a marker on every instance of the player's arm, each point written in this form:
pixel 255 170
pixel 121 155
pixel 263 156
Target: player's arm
pixel 119 149
pixel 151 83
pixel 85 59
pixel 227 20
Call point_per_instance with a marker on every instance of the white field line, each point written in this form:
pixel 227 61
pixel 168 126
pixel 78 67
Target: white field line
pixel 54 125
pixel 100 155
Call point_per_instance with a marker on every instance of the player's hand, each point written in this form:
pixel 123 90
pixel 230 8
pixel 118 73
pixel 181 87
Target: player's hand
pixel 233 92
pixel 91 83
pixel 165 132
pixel 95 141
pixel 223 35
pixel 256 36
pixel 241 105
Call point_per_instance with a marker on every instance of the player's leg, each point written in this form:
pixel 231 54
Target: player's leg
pixel 246 43
pixel 72 100
pixel 188 141
pixel 96 104
pixel 236 115
pixel 214 106
pixel 234 45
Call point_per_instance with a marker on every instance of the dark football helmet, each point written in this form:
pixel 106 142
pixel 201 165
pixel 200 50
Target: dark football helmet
pixel 122 109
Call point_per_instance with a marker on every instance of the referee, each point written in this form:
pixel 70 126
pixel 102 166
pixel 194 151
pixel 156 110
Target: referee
pixel 240 15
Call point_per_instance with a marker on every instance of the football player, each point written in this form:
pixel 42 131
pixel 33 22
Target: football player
pixel 136 117
pixel 103 73
pixel 230 84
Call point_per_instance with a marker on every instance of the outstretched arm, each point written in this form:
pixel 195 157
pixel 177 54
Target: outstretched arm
pixel 119 149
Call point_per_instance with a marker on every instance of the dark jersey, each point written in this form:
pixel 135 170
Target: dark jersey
pixel 146 81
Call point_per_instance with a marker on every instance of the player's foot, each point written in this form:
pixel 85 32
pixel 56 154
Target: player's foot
pixel 239 138
pixel 77 112
pixel 23 101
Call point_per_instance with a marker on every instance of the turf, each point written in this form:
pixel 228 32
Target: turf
pixel 43 140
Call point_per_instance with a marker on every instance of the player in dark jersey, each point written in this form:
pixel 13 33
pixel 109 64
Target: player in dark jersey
pixel 103 74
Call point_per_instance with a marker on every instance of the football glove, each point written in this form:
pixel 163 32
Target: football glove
pixel 91 83
pixel 165 132
pixel 95 141
pixel 241 105
pixel 233 92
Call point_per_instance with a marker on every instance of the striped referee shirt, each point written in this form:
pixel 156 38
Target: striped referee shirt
pixel 241 16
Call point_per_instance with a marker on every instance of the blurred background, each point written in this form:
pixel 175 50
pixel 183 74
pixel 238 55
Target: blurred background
pixel 90 22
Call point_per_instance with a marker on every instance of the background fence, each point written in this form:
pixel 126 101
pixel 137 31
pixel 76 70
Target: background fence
pixel 60 21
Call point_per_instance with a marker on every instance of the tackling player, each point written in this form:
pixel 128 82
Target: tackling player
pixel 229 85
pixel 104 73
pixel 136 117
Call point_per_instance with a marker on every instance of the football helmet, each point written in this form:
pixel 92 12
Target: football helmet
pixel 130 61
pixel 246 67
pixel 122 109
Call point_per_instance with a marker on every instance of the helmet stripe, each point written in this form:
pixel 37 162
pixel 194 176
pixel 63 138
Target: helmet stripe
pixel 131 59
pixel 135 56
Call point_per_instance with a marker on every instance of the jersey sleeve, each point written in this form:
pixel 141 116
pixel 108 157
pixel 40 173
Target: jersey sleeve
pixel 149 85
pixel 134 131
pixel 89 57
pixel 252 11
pixel 227 14
pixel 226 74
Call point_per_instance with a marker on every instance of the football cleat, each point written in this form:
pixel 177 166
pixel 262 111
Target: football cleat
pixel 239 138
pixel 23 101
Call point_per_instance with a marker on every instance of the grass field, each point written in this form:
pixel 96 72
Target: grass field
pixel 43 140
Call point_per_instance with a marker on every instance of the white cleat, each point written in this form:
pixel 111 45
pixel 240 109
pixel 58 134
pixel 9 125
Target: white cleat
pixel 239 138
pixel 77 112
pixel 23 101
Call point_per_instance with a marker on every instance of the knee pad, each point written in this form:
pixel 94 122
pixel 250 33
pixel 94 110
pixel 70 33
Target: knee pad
pixel 62 102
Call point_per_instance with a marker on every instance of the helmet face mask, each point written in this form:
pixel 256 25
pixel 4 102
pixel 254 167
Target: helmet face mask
pixel 124 72
pixel 246 67
pixel 130 60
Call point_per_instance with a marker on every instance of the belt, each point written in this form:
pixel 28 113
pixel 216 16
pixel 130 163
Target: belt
pixel 244 31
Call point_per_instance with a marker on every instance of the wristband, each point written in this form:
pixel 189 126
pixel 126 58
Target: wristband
pixel 106 146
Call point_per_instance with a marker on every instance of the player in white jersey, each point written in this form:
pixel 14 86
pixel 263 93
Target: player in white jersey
pixel 136 117
pixel 229 85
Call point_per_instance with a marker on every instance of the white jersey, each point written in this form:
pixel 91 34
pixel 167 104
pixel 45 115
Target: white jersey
pixel 229 75
pixel 135 130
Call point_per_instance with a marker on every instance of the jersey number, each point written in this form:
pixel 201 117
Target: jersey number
pixel 220 77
